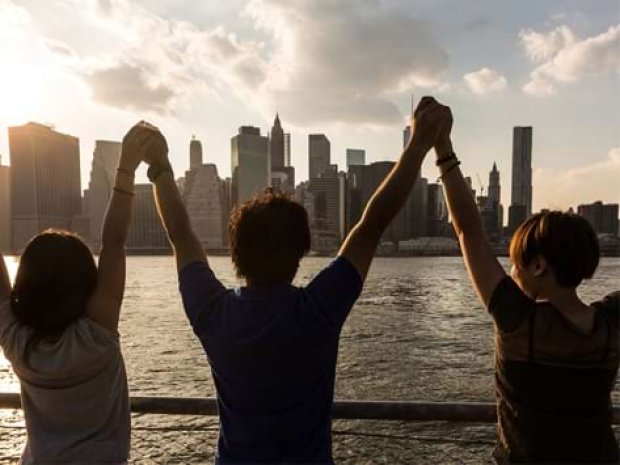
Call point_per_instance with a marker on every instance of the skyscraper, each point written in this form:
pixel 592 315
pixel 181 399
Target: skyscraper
pixel 325 223
pixel 276 144
pixel 5 209
pixel 319 151
pixel 282 174
pixel 195 153
pixel 494 204
pixel 250 165
pixel 45 181
pixel 202 196
pixel 356 157
pixel 602 217
pixel 97 196
pixel 287 149
pixel 146 234
pixel 522 168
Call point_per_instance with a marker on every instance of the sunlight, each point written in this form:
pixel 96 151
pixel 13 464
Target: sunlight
pixel 20 92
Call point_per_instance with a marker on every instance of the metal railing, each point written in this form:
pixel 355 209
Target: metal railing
pixel 475 412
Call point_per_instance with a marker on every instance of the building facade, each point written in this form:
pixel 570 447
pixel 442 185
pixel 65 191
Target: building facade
pixel 5 209
pixel 356 157
pixel 202 195
pixel 522 168
pixel 319 154
pixel 195 153
pixel 45 181
pixel 250 164
pixel 602 217
pixel 96 197
pixel 146 234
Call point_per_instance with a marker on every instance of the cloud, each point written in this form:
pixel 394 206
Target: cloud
pixel 598 181
pixel 127 86
pixel 336 61
pixel 318 62
pixel 485 81
pixel 564 58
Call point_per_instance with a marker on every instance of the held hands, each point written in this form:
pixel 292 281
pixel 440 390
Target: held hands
pixel 143 142
pixel 431 125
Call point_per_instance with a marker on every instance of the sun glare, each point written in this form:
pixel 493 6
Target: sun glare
pixel 20 93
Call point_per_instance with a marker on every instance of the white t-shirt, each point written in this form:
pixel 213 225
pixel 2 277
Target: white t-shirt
pixel 74 393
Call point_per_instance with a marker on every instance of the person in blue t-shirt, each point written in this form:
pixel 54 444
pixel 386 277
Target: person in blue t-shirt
pixel 272 346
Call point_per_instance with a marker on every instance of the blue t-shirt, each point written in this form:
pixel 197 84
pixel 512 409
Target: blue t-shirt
pixel 272 352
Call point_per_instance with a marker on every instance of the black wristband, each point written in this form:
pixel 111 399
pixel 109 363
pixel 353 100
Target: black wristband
pixel 450 168
pixel 446 158
pixel 156 170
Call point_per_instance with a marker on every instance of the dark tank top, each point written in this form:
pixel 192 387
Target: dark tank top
pixel 553 381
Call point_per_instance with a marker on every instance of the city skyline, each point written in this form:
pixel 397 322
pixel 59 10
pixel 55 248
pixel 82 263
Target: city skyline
pixel 209 66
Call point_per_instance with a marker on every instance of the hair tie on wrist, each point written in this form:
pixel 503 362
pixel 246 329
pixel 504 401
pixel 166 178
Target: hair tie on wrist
pixel 446 158
pixel 450 168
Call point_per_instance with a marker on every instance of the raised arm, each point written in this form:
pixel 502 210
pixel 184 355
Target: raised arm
pixel 360 245
pixel 187 248
pixel 482 265
pixel 5 282
pixel 105 304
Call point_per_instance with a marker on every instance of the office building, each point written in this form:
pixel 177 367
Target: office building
pixel 437 212
pixel 5 209
pixel 146 234
pixel 97 196
pixel 276 145
pixel 195 153
pixel 250 165
pixel 522 168
pixel 319 153
pixel 325 194
pixel 282 174
pixel 287 149
pixel 356 157
pixel 602 217
pixel 202 195
pixel 493 206
pixel 45 181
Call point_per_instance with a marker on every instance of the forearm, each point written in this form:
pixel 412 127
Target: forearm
pixel 118 214
pixel 171 208
pixel 5 282
pixel 393 192
pixel 461 203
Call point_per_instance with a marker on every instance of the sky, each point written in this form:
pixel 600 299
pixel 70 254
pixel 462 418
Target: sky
pixel 346 68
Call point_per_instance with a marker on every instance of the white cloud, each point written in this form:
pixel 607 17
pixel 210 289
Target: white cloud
pixel 584 184
pixel 328 62
pixel 564 58
pixel 485 81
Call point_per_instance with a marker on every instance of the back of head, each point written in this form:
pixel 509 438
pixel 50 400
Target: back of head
pixel 269 235
pixel 566 241
pixel 56 277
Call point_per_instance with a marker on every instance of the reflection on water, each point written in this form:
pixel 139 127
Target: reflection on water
pixel 416 333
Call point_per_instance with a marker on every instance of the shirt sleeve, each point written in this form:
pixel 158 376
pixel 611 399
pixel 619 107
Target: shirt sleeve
pixel 199 290
pixel 509 306
pixel 335 289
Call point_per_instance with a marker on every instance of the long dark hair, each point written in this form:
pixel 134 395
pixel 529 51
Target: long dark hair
pixel 56 277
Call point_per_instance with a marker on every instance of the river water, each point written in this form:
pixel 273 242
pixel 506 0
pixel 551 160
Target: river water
pixel 416 333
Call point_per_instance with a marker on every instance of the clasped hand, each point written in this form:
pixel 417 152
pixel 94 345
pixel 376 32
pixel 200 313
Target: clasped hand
pixel 143 142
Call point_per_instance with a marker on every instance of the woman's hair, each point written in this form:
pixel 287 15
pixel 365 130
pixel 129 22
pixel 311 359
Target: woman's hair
pixel 55 279
pixel 269 235
pixel 566 241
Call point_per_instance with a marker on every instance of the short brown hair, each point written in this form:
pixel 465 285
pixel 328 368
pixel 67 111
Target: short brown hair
pixel 269 235
pixel 566 241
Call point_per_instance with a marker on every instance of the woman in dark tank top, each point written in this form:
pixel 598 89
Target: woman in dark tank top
pixel 556 358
